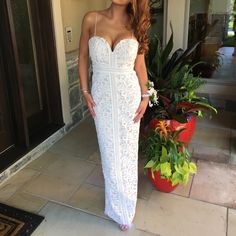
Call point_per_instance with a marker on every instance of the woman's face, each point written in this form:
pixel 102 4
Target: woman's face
pixel 121 2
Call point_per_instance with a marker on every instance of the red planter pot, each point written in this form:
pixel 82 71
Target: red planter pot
pixel 163 185
pixel 186 135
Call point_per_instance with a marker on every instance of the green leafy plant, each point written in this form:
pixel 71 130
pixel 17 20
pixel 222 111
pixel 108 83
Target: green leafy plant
pixel 215 60
pixel 199 31
pixel 165 153
pixel 209 64
pixel 173 77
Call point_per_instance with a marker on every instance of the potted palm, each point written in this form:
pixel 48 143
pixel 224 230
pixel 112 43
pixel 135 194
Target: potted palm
pixel 168 160
pixel 173 78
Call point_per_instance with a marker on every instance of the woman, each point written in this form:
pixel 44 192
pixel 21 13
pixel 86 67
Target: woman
pixel 116 40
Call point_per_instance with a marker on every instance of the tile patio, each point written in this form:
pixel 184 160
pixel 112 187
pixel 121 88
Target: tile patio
pixel 66 185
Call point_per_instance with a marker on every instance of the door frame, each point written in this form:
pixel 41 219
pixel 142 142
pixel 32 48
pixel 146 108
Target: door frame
pixel 43 28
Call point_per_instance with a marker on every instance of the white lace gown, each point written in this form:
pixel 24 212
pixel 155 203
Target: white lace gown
pixel 116 92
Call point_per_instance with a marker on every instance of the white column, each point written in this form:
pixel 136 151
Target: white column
pixel 61 60
pixel 177 13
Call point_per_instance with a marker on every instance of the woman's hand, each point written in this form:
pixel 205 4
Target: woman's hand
pixel 141 109
pixel 90 103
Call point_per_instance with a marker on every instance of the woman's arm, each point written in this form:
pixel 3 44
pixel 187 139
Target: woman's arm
pixel 88 22
pixel 141 72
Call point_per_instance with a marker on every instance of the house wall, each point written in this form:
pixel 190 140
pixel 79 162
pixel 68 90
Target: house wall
pixel 220 6
pixel 58 28
pixel 199 6
pixel 72 15
pixel 69 13
pixel 178 14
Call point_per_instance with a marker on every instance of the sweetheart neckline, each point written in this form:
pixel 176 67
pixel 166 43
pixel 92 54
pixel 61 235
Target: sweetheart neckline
pixel 120 41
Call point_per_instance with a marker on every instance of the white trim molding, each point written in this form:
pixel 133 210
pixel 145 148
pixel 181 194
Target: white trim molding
pixel 178 14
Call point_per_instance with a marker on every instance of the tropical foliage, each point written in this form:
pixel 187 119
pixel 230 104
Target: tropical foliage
pixel 176 84
pixel 165 153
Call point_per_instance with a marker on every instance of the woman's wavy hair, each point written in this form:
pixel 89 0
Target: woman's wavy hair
pixel 139 13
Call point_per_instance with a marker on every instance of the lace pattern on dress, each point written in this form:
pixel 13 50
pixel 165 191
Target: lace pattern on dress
pixel 116 92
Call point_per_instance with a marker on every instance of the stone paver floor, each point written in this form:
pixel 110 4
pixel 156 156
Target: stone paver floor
pixel 66 185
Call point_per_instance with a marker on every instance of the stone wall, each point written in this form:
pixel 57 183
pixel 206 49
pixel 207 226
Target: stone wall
pixel 78 108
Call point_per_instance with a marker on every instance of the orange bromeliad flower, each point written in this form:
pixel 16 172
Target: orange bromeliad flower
pixel 163 128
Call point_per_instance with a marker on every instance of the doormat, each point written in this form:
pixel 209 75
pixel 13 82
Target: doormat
pixel 16 222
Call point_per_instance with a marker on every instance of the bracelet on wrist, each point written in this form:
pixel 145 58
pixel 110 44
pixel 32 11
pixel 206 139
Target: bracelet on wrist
pixel 146 94
pixel 84 90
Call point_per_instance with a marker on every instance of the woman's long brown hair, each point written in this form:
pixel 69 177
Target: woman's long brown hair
pixel 138 11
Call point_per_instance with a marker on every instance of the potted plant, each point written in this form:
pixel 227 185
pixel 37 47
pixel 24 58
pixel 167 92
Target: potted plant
pixel 168 160
pixel 210 64
pixel 173 78
pixel 200 32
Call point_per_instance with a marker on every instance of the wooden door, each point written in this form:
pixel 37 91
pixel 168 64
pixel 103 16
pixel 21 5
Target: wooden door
pixel 6 129
pixel 30 101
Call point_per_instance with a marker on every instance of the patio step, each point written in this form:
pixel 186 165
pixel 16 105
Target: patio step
pixel 215 139
pixel 208 153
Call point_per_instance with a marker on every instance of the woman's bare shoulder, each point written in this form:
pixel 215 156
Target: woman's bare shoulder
pixel 90 15
pixel 89 18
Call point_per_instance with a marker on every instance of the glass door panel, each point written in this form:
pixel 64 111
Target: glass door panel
pixel 6 134
pixel 27 56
